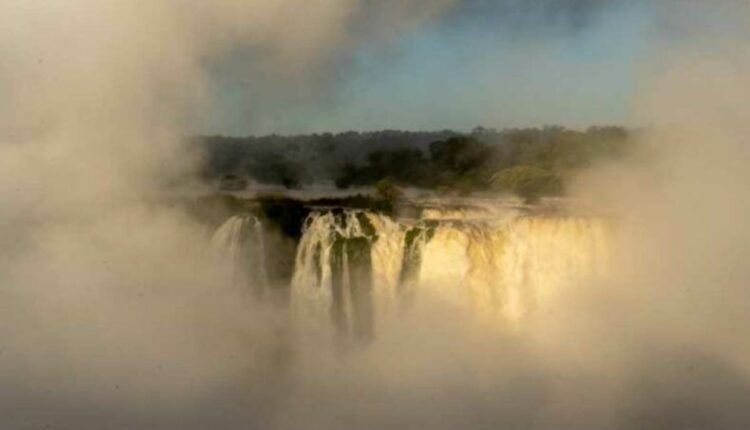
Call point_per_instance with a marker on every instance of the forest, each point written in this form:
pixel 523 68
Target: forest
pixel 530 162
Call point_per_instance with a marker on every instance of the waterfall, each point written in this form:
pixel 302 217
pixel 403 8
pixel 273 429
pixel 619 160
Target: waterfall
pixel 357 264
pixel 415 239
pixel 347 264
pixel 353 267
pixel 504 270
pixel 239 248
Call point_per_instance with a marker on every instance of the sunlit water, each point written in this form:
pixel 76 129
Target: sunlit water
pixel 354 267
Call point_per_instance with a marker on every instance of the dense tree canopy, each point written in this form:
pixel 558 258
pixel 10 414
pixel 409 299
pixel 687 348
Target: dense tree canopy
pixel 528 182
pixel 530 162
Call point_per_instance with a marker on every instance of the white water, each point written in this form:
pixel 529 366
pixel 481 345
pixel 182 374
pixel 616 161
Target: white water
pixel 313 282
pixel 502 269
pixel 356 266
pixel 239 249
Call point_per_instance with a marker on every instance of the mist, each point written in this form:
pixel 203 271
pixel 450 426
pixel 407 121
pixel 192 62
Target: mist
pixel 114 315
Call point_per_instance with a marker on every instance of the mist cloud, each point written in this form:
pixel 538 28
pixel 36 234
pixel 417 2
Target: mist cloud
pixel 112 317
pixel 111 310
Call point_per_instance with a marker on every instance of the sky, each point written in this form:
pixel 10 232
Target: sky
pixel 502 63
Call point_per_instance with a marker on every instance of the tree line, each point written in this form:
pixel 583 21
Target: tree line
pixel 530 162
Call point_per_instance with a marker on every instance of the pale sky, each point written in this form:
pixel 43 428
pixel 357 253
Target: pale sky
pixel 501 63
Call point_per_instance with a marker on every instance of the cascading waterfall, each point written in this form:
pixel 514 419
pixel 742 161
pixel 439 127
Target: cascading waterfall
pixel 415 239
pixel 501 268
pixel 504 270
pixel 239 248
pixel 353 266
pixel 341 259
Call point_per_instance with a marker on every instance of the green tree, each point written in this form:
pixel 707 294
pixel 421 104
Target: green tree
pixel 528 182
pixel 458 154
pixel 386 189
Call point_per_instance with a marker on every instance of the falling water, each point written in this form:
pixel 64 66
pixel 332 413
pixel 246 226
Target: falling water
pixel 505 270
pixel 354 266
pixel 239 246
pixel 341 258
pixel 501 268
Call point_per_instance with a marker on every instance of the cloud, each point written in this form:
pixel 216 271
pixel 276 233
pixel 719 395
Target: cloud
pixel 535 17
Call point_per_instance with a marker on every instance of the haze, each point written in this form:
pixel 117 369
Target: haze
pixel 491 278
